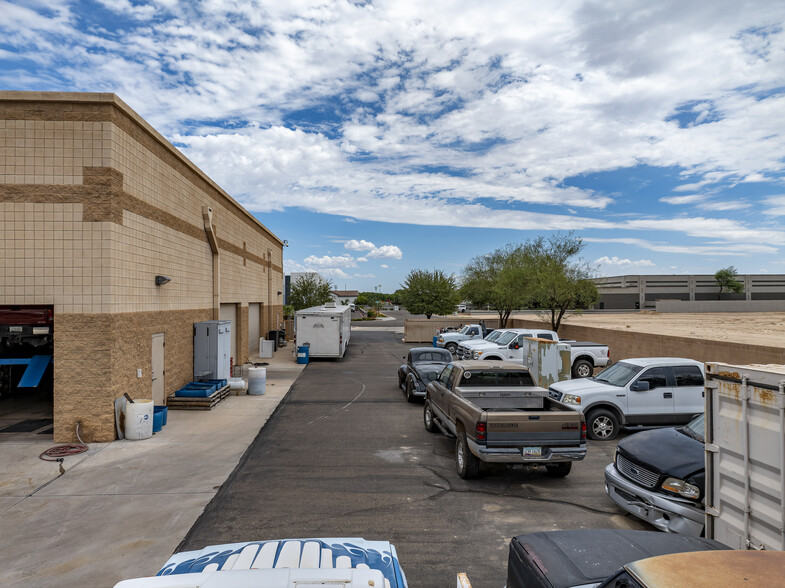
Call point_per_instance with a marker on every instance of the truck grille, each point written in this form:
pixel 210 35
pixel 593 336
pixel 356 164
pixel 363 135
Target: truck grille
pixel 636 473
pixel 463 353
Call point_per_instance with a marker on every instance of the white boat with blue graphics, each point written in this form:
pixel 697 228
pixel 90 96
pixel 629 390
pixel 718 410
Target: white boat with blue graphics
pixel 341 562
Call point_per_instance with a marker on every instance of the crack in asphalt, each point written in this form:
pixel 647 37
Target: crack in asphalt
pixel 502 494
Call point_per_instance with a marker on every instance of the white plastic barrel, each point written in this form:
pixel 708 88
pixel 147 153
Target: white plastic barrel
pixel 237 385
pixel 139 419
pixel 257 380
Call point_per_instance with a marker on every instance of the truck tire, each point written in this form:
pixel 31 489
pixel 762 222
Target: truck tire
pixel 409 390
pixel 602 425
pixel 428 418
pixel 582 368
pixel 467 464
pixel 451 347
pixel 558 470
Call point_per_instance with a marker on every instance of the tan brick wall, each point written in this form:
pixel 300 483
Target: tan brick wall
pixel 94 203
pixel 96 360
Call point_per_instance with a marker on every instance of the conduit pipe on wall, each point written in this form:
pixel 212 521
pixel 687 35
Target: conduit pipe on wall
pixel 207 216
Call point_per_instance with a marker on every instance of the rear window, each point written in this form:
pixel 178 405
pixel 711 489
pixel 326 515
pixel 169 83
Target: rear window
pixel 482 378
pixel 442 356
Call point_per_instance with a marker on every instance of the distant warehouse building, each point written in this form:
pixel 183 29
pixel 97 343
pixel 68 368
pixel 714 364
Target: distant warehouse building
pixel 127 243
pixel 761 292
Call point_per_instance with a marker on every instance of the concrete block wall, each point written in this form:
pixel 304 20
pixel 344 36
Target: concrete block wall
pixel 94 203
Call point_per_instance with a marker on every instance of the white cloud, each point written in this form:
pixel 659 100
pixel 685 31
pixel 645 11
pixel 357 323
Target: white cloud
pixel 362 259
pixel 690 199
pixel 384 266
pixel 623 263
pixel 328 261
pixel 361 245
pixel 334 273
pixel 775 205
pixel 364 276
pixel 386 252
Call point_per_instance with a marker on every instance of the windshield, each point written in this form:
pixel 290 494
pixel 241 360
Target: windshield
pixel 494 335
pixel 619 374
pixel 698 427
pixel 506 338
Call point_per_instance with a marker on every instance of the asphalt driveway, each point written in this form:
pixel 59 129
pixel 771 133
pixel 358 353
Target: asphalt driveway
pixel 346 455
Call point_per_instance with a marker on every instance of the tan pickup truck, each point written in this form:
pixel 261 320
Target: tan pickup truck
pixel 498 415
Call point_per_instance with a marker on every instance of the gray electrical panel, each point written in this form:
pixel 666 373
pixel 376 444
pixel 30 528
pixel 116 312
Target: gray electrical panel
pixel 212 349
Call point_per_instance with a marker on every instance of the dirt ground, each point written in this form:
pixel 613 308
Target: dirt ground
pixel 759 328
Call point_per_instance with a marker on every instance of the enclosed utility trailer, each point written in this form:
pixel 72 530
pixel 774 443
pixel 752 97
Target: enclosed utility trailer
pixel 325 329
pixel 745 455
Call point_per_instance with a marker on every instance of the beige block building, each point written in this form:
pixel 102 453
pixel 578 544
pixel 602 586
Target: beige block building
pixel 94 204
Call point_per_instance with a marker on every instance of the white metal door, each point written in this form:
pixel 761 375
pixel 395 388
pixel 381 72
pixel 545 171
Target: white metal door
pixel 157 369
pixel 657 400
pixel 229 313
pixel 254 329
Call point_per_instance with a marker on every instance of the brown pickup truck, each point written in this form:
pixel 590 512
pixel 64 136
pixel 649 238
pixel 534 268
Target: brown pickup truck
pixel 498 415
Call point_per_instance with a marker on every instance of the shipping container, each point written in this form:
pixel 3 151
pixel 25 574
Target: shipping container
pixel 745 455
pixel 326 330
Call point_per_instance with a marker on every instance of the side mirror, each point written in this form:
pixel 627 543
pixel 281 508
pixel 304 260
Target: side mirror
pixel 640 386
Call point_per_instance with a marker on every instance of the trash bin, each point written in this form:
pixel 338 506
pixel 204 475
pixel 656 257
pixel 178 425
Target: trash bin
pixel 435 339
pixel 273 336
pixel 303 352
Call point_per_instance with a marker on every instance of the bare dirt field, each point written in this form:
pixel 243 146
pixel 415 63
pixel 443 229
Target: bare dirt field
pixel 759 328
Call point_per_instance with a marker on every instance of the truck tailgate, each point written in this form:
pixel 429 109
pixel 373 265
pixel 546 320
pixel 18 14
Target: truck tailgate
pixel 546 428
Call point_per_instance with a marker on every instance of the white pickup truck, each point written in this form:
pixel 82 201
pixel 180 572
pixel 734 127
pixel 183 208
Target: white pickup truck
pixel 450 341
pixel 509 346
pixel 640 391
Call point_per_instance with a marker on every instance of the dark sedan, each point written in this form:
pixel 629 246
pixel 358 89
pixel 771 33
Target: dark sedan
pixel 423 365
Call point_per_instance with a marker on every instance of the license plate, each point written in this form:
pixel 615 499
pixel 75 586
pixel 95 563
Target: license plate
pixel 532 451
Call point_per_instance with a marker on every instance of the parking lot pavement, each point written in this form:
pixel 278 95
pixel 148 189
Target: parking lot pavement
pixel 346 455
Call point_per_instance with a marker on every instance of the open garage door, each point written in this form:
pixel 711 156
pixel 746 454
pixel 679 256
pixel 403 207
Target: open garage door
pixel 26 373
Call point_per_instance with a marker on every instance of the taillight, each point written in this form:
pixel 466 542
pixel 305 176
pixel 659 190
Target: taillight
pixel 583 430
pixel 480 432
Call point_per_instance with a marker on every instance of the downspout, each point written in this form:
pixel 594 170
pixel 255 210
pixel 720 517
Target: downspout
pixel 270 325
pixel 207 216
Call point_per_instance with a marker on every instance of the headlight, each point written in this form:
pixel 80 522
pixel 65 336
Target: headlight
pixel 440 339
pixel 571 399
pixel 681 488
pixel 477 354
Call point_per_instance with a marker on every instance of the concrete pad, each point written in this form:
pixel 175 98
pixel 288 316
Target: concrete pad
pixel 121 509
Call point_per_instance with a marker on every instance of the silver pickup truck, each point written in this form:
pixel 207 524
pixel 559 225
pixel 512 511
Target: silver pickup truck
pixel 498 415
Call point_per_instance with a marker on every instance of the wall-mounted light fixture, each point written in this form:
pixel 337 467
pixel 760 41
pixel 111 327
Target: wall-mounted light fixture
pixel 161 280
pixel 285 243
pixel 279 293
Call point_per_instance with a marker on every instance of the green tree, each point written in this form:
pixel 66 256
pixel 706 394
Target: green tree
pixel 726 280
pixel 429 293
pixel 561 279
pixel 310 290
pixel 501 280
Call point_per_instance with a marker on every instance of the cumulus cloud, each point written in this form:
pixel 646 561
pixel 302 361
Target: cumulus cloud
pixel 328 261
pixel 386 252
pixel 361 245
pixel 425 118
pixel 623 263
pixel 384 266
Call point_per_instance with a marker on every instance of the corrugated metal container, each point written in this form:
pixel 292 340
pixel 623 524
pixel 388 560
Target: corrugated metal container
pixel 548 361
pixel 745 455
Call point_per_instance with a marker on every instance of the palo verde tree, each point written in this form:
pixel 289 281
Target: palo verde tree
pixel 429 293
pixel 561 280
pixel 501 280
pixel 726 280
pixel 310 290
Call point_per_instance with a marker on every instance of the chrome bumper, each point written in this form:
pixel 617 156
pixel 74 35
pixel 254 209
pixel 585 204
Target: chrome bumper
pixel 515 455
pixel 666 514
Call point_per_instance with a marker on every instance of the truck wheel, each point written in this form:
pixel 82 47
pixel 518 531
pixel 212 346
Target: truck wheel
pixel 467 463
pixel 409 390
pixel 428 418
pixel 602 425
pixel 451 347
pixel 582 369
pixel 558 470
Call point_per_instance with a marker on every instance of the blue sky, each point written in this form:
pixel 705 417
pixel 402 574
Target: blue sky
pixel 382 136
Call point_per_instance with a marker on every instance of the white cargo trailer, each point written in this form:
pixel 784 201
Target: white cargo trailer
pixel 745 455
pixel 325 329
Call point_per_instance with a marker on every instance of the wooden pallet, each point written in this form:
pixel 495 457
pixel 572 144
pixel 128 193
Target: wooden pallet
pixel 207 403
